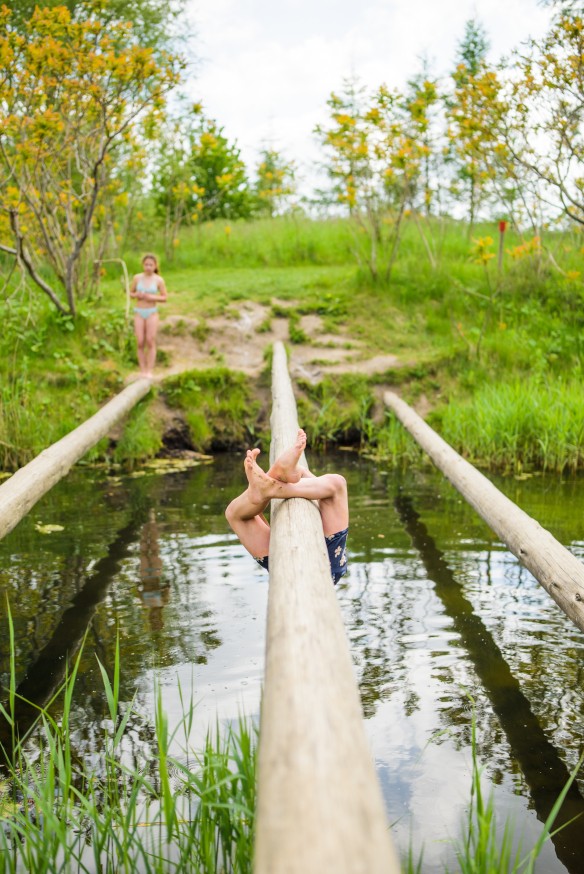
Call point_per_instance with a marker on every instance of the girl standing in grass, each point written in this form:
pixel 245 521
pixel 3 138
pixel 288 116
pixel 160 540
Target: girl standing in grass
pixel 148 289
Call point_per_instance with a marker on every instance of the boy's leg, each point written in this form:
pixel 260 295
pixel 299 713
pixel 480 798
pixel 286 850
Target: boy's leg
pixel 245 516
pixel 330 490
pixel 285 468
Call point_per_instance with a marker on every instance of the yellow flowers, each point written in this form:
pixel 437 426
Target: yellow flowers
pixel 480 250
pixel 71 91
pixel 526 249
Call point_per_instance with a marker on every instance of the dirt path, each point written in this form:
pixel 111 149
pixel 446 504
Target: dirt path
pixel 238 340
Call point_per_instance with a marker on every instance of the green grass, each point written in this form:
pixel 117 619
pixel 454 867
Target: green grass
pixel 219 406
pixel 486 846
pixel 520 425
pixel 186 811
pixel 141 438
pixel 456 329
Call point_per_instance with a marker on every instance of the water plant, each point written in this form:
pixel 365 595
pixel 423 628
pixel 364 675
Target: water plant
pixel 175 810
pixel 517 425
pixel 485 846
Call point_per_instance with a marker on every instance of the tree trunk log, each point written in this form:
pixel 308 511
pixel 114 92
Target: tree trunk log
pixel 560 573
pixel 31 482
pixel 320 807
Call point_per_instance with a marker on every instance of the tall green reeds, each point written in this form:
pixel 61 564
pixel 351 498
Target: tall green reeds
pixel 186 812
pixel 519 425
pixel 486 847
pixel 191 812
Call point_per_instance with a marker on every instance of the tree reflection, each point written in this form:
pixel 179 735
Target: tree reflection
pixel 544 770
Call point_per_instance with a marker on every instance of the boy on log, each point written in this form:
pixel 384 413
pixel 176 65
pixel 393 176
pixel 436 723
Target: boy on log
pixel 287 479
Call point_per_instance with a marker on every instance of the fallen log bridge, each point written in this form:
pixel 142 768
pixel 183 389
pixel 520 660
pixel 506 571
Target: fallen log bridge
pixel 320 806
pixel 559 572
pixel 31 482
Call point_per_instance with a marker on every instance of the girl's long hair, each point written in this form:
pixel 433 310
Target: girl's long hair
pixel 154 258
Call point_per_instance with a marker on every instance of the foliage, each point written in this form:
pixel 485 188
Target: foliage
pixel 337 410
pixel 180 809
pixel 142 436
pixel 154 22
pixel 175 194
pixel 55 372
pixel 198 175
pixel 482 847
pixel 527 425
pixel 219 174
pixel 422 102
pixel 376 164
pixel 543 127
pixel 274 182
pixel 218 404
pixel 71 92
pixel 470 112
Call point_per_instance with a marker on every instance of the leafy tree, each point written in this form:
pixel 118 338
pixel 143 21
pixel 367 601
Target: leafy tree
pixel 218 174
pixel 71 93
pixel 375 166
pixel 469 109
pixel 177 196
pixel 422 100
pixel 344 141
pixel 198 175
pixel 274 182
pixel 543 129
pixel 472 49
pixel 154 22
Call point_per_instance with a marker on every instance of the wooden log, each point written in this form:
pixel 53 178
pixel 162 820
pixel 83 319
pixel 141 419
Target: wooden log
pixel 31 482
pixel 320 806
pixel 560 573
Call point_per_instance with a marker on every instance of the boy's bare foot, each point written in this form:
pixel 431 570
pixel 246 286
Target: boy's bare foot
pixel 285 468
pixel 261 487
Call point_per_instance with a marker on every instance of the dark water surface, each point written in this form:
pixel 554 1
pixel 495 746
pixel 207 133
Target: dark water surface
pixel 436 610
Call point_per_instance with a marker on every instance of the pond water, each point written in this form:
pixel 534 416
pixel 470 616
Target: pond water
pixel 438 615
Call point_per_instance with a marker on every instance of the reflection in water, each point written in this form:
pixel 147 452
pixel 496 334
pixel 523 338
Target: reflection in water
pixel 427 618
pixel 43 677
pixel 544 770
pixel 154 590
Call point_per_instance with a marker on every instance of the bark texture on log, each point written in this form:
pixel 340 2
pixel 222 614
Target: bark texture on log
pixel 320 806
pixel 559 572
pixel 31 482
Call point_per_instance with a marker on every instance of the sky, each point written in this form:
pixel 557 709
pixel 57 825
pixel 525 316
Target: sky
pixel 266 67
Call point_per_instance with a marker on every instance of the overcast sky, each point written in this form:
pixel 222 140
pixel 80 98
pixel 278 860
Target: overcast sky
pixel 267 66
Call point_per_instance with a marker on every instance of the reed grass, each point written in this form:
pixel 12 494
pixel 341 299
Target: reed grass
pixel 178 810
pixel 187 812
pixel 486 847
pixel 220 406
pixel 519 425
pixel 142 436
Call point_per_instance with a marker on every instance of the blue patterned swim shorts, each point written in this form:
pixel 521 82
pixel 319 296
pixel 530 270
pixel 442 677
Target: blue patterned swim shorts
pixel 336 545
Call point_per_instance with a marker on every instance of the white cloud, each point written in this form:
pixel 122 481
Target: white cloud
pixel 268 68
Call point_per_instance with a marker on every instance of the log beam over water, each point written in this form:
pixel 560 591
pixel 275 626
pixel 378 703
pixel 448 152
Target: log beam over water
pixel 559 572
pixel 31 482
pixel 320 806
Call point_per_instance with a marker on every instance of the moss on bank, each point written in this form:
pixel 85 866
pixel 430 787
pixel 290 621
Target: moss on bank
pixel 220 407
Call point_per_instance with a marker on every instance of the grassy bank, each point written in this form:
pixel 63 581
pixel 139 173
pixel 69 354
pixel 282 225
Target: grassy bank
pixel 496 358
